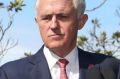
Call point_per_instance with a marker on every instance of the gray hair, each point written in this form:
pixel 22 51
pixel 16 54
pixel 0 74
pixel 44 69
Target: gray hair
pixel 80 5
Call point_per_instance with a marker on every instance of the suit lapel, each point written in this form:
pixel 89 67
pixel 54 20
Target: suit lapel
pixel 83 64
pixel 85 71
pixel 40 69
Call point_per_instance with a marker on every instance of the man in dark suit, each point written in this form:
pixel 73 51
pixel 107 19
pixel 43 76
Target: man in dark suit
pixel 59 57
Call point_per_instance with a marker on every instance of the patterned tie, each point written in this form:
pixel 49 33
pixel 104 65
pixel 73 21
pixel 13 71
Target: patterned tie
pixel 62 63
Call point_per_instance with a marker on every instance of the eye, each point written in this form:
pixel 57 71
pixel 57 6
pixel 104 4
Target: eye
pixel 62 16
pixel 47 17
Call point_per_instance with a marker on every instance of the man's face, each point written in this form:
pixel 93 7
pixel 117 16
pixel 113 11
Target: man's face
pixel 58 24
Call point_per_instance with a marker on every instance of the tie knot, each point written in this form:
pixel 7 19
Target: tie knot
pixel 62 63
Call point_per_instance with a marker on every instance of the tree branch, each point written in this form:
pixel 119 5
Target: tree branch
pixel 100 5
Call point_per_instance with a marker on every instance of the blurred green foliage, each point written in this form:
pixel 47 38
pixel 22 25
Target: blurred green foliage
pixel 97 41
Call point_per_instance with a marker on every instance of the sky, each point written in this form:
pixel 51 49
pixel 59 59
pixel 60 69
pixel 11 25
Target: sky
pixel 25 30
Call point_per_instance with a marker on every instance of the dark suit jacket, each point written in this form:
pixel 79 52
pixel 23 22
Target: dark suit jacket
pixel 92 66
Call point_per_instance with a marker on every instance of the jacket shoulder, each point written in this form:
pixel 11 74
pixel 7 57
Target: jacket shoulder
pixel 15 69
pixel 97 57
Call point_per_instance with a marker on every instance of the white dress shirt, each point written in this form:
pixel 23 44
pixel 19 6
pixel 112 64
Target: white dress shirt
pixel 72 68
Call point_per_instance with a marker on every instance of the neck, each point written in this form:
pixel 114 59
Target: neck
pixel 62 52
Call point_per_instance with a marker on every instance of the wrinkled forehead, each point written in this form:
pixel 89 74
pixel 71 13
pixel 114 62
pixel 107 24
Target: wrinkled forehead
pixel 53 3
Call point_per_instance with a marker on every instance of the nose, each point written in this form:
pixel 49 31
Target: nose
pixel 54 23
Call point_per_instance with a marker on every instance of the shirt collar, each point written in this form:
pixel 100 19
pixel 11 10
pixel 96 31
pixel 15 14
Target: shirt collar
pixel 72 57
pixel 52 58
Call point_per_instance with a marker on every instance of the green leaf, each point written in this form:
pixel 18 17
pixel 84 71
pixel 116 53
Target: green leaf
pixel 81 40
pixel 1 4
pixel 108 53
pixel 27 54
pixel 102 37
pixel 23 5
pixel 16 5
pixel 96 22
pixel 116 35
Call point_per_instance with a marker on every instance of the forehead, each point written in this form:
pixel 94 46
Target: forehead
pixel 54 5
pixel 53 1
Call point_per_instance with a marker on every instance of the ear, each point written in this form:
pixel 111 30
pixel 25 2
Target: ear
pixel 82 20
pixel 35 19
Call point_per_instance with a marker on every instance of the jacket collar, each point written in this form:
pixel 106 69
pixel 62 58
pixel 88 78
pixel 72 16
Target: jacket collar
pixel 40 68
pixel 86 67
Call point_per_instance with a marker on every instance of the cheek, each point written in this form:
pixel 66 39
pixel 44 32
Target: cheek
pixel 70 28
pixel 43 31
pixel 70 32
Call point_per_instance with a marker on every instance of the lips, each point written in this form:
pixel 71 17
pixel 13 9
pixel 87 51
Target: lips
pixel 56 36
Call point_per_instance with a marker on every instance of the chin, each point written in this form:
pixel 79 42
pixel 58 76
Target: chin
pixel 55 45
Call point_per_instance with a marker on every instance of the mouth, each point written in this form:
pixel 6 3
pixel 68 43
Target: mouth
pixel 56 36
